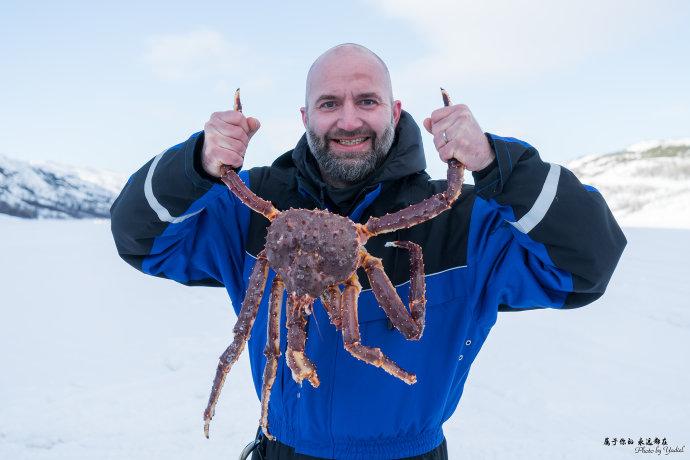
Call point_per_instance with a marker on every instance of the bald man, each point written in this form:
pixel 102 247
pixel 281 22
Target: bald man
pixel 527 235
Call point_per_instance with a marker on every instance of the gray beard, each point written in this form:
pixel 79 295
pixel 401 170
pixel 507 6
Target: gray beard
pixel 348 169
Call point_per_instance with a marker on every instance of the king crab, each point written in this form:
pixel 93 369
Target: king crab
pixel 313 252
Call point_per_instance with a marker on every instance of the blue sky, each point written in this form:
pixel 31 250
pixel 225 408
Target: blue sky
pixel 111 85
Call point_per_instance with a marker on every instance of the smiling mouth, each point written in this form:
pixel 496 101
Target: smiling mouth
pixel 359 140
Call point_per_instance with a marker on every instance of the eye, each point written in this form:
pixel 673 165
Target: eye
pixel 368 102
pixel 327 105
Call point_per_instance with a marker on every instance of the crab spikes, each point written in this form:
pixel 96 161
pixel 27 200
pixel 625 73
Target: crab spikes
pixel 302 368
pixel 246 196
pixel 272 350
pixel 241 331
pixel 352 338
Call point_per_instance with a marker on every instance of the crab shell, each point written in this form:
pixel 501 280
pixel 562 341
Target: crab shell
pixel 312 250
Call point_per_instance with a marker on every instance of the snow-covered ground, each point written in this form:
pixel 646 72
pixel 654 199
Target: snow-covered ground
pixel 100 362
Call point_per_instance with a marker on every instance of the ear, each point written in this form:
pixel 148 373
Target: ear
pixel 303 111
pixel 397 109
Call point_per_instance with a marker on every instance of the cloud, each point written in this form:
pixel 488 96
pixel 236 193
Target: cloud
pixel 190 55
pixel 478 40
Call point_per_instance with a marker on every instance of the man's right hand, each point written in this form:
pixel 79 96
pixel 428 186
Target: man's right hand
pixel 226 136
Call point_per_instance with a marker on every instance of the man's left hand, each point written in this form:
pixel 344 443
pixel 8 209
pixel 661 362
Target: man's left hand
pixel 464 140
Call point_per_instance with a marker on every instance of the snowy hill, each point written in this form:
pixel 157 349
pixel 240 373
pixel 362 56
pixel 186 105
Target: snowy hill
pixel 101 362
pixel 51 190
pixel 646 184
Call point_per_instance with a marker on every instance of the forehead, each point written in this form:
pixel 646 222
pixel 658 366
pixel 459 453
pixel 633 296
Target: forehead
pixel 345 74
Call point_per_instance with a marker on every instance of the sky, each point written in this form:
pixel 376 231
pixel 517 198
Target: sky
pixel 112 84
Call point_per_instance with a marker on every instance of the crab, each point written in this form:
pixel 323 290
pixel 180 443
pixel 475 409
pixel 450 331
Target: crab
pixel 313 253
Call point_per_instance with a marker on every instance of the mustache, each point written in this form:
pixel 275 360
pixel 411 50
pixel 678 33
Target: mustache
pixel 338 133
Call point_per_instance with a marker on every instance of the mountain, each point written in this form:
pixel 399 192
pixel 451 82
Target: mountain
pixel 646 184
pixel 52 190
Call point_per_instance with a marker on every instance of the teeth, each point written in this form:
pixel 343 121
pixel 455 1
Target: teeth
pixel 351 141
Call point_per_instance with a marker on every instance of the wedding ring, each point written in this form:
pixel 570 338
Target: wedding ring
pixel 445 138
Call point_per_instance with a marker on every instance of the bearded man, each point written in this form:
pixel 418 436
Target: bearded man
pixel 527 235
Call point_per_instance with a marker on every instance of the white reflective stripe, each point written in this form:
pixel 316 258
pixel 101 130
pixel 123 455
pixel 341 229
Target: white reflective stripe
pixel 158 208
pixel 543 202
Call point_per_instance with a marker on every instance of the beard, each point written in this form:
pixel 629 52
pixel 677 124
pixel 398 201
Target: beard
pixel 348 168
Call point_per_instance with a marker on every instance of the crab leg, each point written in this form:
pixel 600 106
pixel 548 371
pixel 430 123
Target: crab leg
pixel 417 281
pixel 301 367
pixel 236 186
pixel 418 212
pixel 246 196
pixel 422 211
pixel 452 163
pixel 389 299
pixel 352 339
pixel 272 350
pixel 242 330
pixel 332 300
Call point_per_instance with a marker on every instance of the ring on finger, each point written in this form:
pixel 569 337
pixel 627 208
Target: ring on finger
pixel 445 138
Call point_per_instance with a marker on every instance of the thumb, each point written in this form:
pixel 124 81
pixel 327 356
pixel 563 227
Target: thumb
pixel 427 124
pixel 254 125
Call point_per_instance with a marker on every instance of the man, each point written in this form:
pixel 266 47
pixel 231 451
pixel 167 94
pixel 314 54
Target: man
pixel 527 235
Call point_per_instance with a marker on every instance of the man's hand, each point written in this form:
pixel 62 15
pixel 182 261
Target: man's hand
pixel 464 140
pixel 226 136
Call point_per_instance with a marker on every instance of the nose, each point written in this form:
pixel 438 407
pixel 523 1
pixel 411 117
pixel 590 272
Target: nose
pixel 349 119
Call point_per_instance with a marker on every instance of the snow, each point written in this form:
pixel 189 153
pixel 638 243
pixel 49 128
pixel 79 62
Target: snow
pixel 646 185
pixel 107 179
pixel 657 143
pixel 53 190
pixel 100 361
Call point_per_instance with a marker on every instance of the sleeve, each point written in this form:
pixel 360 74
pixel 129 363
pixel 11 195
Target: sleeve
pixel 538 237
pixel 173 221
